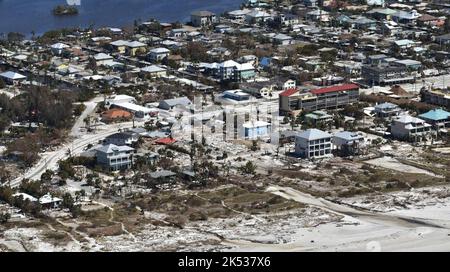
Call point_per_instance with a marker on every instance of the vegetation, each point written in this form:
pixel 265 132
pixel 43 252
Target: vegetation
pixel 4 217
pixel 248 169
pixel 61 10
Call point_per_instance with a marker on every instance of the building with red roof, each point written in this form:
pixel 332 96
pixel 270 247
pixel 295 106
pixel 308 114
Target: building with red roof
pixel 292 101
pixel 165 141
pixel 334 89
pixel 289 92
pixel 113 115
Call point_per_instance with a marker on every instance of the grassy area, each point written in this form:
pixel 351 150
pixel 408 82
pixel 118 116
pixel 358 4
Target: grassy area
pixel 57 238
pixel 216 203
pixel 361 179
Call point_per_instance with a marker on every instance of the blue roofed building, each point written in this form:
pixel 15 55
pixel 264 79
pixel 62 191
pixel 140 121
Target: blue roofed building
pixel 438 118
pixel 348 143
pixel 265 62
pixel 115 158
pixel 387 110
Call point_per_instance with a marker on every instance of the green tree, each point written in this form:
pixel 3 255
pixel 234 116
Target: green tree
pixel 248 169
pixel 4 217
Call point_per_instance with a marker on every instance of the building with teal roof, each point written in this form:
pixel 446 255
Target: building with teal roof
pixel 439 118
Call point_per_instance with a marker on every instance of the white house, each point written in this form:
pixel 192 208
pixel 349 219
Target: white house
pixel 154 71
pixel 114 157
pixel 348 143
pixel 50 202
pixel 256 129
pixel 58 48
pixel 233 71
pixel 313 143
pixel 12 77
pixel 102 59
pixel 238 15
pixel 387 110
pixel 203 18
pixel 158 54
pixel 256 16
pixel 169 104
pixel 120 98
pixel 410 128
pixel 289 84
pixel 283 39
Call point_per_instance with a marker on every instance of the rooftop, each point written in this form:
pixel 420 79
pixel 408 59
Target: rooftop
pixel 348 135
pixel 202 13
pixel 108 149
pixel 289 92
pixel 12 75
pixel 436 115
pixel 313 134
pixel 339 88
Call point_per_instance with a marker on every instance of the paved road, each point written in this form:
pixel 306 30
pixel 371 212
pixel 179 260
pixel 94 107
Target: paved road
pixel 90 107
pixel 76 146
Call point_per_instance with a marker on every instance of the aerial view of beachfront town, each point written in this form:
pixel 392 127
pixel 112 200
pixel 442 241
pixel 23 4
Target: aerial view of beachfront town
pixel 224 126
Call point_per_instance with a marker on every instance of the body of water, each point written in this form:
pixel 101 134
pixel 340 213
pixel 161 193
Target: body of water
pixel 25 16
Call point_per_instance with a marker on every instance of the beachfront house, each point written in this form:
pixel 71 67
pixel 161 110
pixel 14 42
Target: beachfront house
pixel 203 18
pixel 114 158
pixel 348 143
pixel 256 129
pixel 313 143
pixel 438 118
pixel 387 110
pixel 410 128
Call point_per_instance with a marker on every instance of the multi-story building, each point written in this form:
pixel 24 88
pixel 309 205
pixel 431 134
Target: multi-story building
pixel 122 138
pixel 332 97
pixel 436 97
pixel 438 118
pixel 313 143
pixel 318 117
pixel 386 75
pixel 410 128
pixel 387 110
pixel 114 158
pixel 203 18
pixel 336 96
pixel 233 71
pixel 158 54
pixel 348 143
